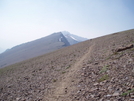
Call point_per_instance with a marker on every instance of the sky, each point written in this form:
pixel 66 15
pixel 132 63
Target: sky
pixel 26 20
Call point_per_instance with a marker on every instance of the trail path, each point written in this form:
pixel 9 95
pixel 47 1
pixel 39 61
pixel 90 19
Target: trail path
pixel 64 87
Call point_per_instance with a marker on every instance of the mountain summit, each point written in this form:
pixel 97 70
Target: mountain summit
pixel 38 47
pixel 73 39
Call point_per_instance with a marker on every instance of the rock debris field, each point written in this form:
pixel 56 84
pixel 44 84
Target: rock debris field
pixel 100 69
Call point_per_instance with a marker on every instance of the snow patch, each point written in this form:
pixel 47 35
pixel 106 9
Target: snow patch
pixel 66 36
pixel 60 39
pixel 73 38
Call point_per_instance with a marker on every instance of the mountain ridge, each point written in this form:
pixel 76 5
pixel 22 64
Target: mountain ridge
pixel 35 48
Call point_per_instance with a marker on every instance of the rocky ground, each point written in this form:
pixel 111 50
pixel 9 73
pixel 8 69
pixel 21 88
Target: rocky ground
pixel 100 69
pixel 108 75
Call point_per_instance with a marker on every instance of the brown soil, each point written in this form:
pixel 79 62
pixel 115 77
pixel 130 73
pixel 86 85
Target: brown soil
pixel 88 71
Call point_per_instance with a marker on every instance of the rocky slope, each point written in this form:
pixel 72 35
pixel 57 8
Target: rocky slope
pixel 100 69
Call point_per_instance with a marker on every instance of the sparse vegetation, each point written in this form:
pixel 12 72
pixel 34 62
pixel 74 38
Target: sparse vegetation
pixel 108 58
pixel 7 69
pixel 54 80
pixel 115 53
pixel 58 69
pixel 128 92
pixel 132 49
pixel 68 67
pixel 104 69
pixel 120 55
pixel 63 72
pixel 103 78
pixel 89 62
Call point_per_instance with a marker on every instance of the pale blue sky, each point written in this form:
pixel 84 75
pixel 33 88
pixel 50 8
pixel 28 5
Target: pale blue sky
pixel 26 20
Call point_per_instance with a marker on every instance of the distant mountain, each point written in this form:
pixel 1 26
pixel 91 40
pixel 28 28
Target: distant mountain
pixel 73 39
pixel 38 47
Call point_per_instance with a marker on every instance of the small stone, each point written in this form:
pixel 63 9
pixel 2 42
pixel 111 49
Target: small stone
pixel 92 96
pixel 124 66
pixel 133 72
pixel 110 87
pixel 72 80
pixel 84 68
pixel 120 89
pixel 101 99
pixel 82 74
pixel 17 99
pixel 126 78
pixel 9 86
pixel 102 83
pixel 116 94
pixel 108 95
pixel 96 63
pixel 93 89
pixel 78 91
pixel 130 60
pixel 132 96
pixel 95 84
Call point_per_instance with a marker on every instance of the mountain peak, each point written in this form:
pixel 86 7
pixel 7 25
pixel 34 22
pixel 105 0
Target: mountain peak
pixel 65 32
pixel 73 39
pixel 38 47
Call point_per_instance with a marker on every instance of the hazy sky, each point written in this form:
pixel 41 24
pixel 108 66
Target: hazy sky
pixel 25 20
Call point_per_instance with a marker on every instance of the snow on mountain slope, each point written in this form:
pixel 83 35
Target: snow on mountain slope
pixel 72 39
pixel 60 39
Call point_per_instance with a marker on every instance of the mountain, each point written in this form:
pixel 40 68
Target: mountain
pixel 73 39
pixel 99 69
pixel 37 47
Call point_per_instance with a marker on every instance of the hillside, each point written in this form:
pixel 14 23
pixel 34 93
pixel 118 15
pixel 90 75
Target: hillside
pixel 37 47
pixel 100 69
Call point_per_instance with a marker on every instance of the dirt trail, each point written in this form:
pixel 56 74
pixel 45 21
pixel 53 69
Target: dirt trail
pixel 64 87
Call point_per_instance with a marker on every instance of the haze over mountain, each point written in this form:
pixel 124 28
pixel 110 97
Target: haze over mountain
pixel 1 50
pixel 38 47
